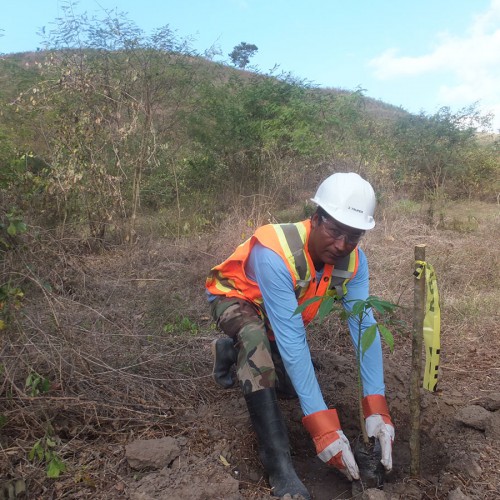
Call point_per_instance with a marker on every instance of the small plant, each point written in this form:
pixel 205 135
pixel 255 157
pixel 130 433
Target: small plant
pixel 181 325
pixel 360 309
pixel 36 384
pixel 10 300
pixel 11 225
pixel 43 451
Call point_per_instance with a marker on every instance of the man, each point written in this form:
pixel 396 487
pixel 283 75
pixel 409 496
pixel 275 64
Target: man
pixel 253 298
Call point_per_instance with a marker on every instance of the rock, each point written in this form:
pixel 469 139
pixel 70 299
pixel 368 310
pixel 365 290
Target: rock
pixel 151 453
pixel 448 481
pixel 182 440
pixel 373 494
pixel 466 466
pixel 202 481
pixel 474 416
pixel 490 402
pixel 397 491
pixel 457 494
pixel 254 476
pixel 493 426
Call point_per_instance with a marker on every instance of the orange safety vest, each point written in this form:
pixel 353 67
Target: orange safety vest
pixel 289 241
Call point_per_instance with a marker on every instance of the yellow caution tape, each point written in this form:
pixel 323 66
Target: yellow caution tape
pixel 432 328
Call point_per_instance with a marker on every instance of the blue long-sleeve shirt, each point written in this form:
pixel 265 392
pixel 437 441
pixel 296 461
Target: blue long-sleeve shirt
pixel 275 283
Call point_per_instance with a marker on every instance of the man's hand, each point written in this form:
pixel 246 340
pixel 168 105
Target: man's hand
pixel 377 428
pixel 379 425
pixel 331 444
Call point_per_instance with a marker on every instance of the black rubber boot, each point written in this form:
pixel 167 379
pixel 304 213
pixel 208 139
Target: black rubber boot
pixel 274 447
pixel 225 356
pixel 284 386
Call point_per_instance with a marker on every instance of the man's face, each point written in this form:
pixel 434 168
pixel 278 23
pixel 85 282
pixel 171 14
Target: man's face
pixel 330 240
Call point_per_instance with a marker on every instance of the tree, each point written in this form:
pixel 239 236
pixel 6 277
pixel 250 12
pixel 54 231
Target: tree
pixel 439 153
pixel 249 131
pixel 241 54
pixel 112 96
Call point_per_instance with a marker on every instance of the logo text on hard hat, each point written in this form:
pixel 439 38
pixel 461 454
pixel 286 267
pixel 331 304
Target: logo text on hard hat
pixel 356 210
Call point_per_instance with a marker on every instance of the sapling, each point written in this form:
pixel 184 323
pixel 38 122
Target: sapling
pixel 359 311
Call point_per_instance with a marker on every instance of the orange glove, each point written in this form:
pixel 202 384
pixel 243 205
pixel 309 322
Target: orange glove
pixel 331 444
pixel 379 425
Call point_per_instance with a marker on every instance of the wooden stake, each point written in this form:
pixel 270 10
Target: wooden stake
pixel 416 362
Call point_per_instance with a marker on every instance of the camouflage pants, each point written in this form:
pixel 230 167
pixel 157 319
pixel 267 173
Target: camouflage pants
pixel 259 364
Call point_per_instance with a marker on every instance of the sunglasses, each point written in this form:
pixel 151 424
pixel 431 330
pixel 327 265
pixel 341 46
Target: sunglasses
pixel 337 234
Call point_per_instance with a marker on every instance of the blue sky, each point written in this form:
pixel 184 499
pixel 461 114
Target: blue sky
pixel 419 55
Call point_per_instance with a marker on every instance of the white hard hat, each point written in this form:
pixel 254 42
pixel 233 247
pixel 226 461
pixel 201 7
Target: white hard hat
pixel 348 198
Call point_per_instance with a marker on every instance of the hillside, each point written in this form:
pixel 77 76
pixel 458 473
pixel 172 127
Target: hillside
pixel 20 71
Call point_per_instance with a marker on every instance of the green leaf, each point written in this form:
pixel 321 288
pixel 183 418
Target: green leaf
pixel 12 230
pixel 305 304
pixel 368 337
pixel 34 450
pixel 326 307
pixel 344 315
pixel 55 467
pixel 387 335
pixel 21 226
pixel 358 307
pixel 45 387
pixel 380 305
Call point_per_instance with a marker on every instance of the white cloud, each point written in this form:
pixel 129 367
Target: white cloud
pixel 470 64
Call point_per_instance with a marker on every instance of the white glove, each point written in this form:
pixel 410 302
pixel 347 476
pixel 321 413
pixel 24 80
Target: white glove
pixel 377 428
pixel 331 444
pixel 341 445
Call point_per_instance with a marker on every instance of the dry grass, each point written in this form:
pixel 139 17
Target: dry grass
pixel 121 335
